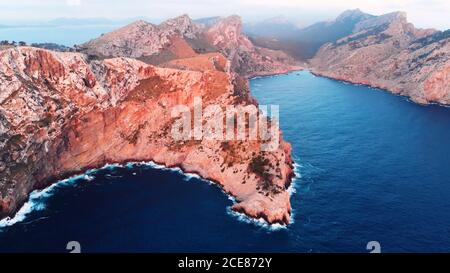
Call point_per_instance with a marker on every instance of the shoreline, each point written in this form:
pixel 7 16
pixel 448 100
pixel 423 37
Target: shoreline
pixel 19 217
pixel 372 86
pixel 239 206
pixel 91 139
pixel 272 74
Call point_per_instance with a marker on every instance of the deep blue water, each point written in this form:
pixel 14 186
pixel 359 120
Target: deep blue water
pixel 374 167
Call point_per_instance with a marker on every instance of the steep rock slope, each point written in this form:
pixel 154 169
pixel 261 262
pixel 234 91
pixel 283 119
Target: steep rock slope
pixel 147 42
pixel 390 53
pixel 246 59
pixel 61 115
pixel 183 38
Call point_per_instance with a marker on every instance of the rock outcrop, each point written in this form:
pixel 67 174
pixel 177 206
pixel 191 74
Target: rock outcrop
pixel 147 42
pixel 247 59
pixel 181 37
pixel 61 114
pixel 390 53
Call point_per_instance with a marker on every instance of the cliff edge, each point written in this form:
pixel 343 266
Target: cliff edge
pixel 61 114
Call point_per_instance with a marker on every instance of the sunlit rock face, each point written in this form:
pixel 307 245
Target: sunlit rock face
pixel 390 53
pixel 183 38
pixel 61 114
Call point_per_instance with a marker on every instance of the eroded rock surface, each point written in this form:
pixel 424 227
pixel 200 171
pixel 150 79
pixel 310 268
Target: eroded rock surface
pixel 61 114
pixel 390 53
pixel 183 38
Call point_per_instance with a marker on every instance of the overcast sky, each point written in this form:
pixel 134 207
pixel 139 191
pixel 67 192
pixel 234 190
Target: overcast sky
pixel 423 13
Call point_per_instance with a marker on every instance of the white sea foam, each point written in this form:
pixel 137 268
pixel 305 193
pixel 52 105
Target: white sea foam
pixel 38 198
pixel 257 222
pixel 261 222
pixel 111 167
pixel 231 198
pixel 154 165
pixel 239 216
pixel 189 176
pixel 292 189
pixel 20 215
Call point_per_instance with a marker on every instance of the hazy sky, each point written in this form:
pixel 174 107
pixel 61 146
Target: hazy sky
pixel 423 13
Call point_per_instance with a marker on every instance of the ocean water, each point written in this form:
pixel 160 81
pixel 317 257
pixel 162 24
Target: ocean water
pixel 374 167
pixel 63 35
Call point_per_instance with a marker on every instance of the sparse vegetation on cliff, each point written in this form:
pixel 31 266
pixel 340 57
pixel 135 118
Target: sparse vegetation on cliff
pixel 261 167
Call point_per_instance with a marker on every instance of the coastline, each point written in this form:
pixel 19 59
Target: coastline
pixel 105 136
pixel 28 207
pixel 271 74
pixel 237 206
pixel 374 86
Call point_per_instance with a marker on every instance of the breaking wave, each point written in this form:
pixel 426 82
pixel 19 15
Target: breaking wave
pixel 38 198
pixel 257 222
pixel 241 217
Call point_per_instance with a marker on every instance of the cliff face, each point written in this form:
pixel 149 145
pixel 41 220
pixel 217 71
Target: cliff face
pixel 390 53
pixel 183 38
pixel 61 114
pixel 247 59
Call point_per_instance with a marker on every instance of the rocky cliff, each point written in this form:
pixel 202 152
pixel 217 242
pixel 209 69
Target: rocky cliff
pixel 303 43
pixel 247 59
pixel 61 114
pixel 181 37
pixel 147 42
pixel 390 53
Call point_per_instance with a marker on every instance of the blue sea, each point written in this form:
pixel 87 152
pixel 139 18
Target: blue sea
pixel 64 35
pixel 372 166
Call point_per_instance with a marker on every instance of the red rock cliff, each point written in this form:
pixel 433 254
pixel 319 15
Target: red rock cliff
pixel 61 115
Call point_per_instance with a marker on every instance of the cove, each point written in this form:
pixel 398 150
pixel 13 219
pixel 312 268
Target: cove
pixel 374 167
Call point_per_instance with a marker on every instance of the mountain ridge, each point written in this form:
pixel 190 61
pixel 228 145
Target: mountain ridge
pixel 303 43
pixel 390 53
pixel 156 44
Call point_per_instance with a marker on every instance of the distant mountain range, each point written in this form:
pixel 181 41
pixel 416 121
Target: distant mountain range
pixel 388 52
pixel 279 33
pixel 276 27
pixel 383 51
